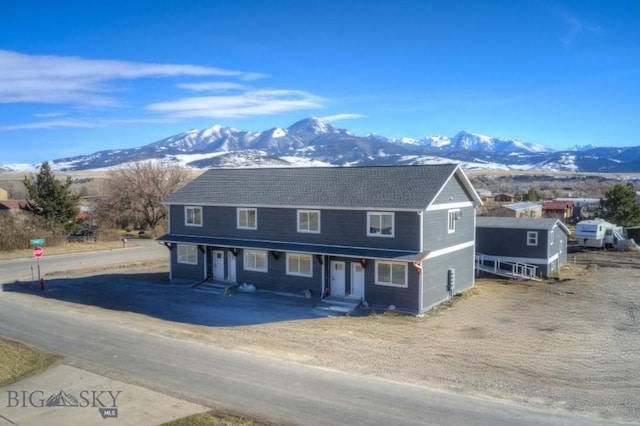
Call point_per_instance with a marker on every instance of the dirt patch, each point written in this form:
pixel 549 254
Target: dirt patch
pixel 572 342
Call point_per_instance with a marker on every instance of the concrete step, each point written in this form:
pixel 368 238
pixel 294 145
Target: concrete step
pixel 209 287
pixel 336 306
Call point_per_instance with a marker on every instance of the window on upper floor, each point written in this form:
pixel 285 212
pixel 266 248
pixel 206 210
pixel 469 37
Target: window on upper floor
pixel 391 273
pixel 187 254
pixel 532 238
pixel 380 224
pixel 247 218
pixel 255 260
pixel 309 221
pixel 452 217
pixel 192 216
pixel 299 264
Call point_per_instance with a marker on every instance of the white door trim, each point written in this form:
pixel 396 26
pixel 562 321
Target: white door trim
pixel 337 279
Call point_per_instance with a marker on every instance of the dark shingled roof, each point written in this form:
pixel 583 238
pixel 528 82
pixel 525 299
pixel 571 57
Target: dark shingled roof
pixel 397 187
pixel 519 223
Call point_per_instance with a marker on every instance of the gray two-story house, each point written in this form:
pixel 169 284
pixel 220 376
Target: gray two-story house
pixel 390 235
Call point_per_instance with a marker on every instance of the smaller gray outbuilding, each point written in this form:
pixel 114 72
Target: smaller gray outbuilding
pixel 538 242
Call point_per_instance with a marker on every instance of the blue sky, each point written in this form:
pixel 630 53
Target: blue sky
pixel 81 76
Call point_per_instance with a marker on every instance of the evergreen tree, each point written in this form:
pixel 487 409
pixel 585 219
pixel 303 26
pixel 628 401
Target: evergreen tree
pixel 620 206
pixel 532 195
pixel 52 200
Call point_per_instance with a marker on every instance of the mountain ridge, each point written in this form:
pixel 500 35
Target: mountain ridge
pixel 312 142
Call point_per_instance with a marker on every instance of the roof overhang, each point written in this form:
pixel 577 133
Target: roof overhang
pixel 356 252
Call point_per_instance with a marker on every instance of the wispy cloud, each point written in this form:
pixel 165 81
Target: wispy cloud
pixel 71 80
pixel 575 28
pixel 77 82
pixel 246 104
pixel 215 86
pixel 345 116
pixel 50 124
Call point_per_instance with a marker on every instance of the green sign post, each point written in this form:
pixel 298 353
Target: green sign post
pixel 36 242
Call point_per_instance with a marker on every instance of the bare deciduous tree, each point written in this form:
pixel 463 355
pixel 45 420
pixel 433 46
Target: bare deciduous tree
pixel 134 193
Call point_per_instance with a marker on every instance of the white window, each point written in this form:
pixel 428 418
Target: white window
pixel 380 224
pixel 452 217
pixel 192 216
pixel 247 218
pixel 532 238
pixel 299 264
pixel 187 254
pixel 309 221
pixel 255 260
pixel 391 273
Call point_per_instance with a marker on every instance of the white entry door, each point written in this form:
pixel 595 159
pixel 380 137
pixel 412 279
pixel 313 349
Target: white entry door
pixel 231 262
pixel 337 278
pixel 218 265
pixel 357 280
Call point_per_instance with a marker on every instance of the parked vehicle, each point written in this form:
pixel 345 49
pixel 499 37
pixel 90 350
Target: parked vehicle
pixel 598 233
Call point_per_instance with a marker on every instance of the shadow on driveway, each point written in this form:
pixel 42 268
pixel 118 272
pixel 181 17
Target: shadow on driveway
pixel 151 294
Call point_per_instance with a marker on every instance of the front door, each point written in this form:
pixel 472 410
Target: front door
pixel 218 265
pixel 357 280
pixel 337 278
pixel 231 261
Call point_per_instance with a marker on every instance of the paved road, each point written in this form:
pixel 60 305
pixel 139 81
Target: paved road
pixel 26 269
pixel 263 386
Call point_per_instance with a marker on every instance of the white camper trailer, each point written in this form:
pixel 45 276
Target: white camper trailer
pixel 598 233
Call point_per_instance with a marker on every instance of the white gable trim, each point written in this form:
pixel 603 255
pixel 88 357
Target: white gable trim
pixel 447 206
pixel 448 250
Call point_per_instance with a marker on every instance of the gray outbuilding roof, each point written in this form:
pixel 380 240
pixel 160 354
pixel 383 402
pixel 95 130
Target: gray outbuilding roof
pixel 519 223
pixel 388 187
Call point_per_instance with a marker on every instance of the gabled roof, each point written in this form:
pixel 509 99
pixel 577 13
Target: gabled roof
pixel 520 223
pixel 557 205
pixel 379 187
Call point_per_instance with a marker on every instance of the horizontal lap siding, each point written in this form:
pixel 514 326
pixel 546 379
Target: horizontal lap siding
pixel 436 231
pixel 276 278
pixel 453 192
pixel 186 271
pixel 404 299
pixel 510 242
pixel 436 273
pixel 337 227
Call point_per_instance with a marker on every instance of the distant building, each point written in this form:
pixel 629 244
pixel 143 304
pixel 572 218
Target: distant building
pixel 4 195
pixel 558 210
pixel 583 208
pixel 526 209
pixel 505 198
pixel 11 206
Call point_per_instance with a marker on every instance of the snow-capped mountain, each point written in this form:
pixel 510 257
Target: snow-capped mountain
pixel 312 142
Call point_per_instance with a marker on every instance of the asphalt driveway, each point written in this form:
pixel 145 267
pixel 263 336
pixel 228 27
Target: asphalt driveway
pixel 151 294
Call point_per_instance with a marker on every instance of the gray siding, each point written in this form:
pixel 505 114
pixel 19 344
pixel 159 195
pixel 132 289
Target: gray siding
pixel 276 278
pixel 436 234
pixel 337 227
pixel 511 242
pixel 404 299
pixel 186 271
pixel 435 274
pixel 453 192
